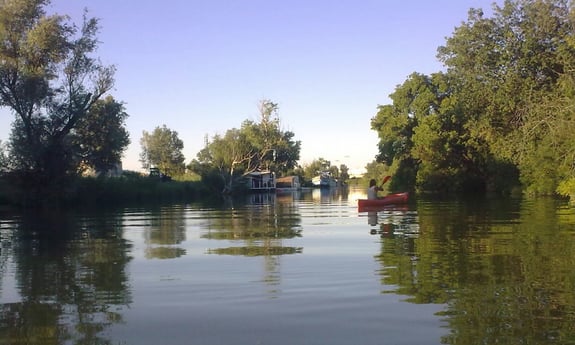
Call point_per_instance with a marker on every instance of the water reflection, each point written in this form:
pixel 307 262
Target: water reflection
pixel 165 230
pixel 260 227
pixel 310 196
pixel 394 221
pixel 503 270
pixel 70 275
pixel 497 272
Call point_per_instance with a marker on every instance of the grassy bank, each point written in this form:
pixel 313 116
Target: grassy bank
pixel 135 189
pixel 85 191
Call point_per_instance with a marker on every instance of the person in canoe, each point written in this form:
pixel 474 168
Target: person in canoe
pixel 373 189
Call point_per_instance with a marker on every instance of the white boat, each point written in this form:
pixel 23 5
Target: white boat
pixel 324 180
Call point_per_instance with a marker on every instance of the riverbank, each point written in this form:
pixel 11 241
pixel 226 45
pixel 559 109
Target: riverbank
pixel 86 191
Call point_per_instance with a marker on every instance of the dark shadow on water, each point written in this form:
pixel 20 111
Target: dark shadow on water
pixel 72 281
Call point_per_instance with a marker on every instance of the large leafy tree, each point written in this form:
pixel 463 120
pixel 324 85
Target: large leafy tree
pixel 50 80
pixel 101 136
pixel 163 149
pixel 225 156
pixel 274 149
pixel 515 72
pixel 424 137
pixel 500 114
pixel 255 146
pixel 315 167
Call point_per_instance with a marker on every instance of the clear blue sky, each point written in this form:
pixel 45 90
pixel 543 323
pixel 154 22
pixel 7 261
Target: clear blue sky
pixel 201 67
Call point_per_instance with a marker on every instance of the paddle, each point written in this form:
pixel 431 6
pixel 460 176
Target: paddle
pixel 385 179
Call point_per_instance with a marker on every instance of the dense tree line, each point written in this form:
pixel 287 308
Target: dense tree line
pixel 501 116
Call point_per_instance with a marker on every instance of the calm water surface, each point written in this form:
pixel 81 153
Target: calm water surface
pixel 303 268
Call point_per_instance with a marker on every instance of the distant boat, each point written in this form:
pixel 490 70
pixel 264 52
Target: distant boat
pixel 324 180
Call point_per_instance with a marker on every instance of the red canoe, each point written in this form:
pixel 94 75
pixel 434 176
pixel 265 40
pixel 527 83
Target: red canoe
pixel 391 199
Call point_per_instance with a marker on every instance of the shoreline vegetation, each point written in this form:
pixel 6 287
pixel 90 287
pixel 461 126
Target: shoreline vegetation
pixel 128 189
pixel 499 120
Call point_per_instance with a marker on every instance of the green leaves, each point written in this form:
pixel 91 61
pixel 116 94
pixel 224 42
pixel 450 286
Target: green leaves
pixel 163 149
pixel 255 146
pixel 102 136
pixel 505 102
pixel 50 80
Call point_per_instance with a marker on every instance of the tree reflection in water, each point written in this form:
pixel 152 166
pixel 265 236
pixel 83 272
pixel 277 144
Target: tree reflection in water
pixel 503 270
pixel 266 221
pixel 498 272
pixel 166 229
pixel 70 275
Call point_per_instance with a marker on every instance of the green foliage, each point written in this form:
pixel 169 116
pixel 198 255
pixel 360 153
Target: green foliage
pixel 502 113
pixel 130 188
pixel 102 136
pixel 510 67
pixel 343 173
pixel 377 171
pixel 320 165
pixel 49 80
pixel 4 165
pixel 314 168
pixel 272 148
pixel 133 187
pixel 567 188
pixel 394 130
pixel 253 147
pixel 163 149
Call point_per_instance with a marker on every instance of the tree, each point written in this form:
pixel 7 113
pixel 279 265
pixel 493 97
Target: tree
pixel 49 79
pixel 315 168
pixel 375 170
pixel 255 146
pixel 344 173
pixel 228 155
pixel 3 157
pixel 425 139
pixel 163 149
pixel 501 113
pixel 273 148
pixel 516 69
pixel 101 136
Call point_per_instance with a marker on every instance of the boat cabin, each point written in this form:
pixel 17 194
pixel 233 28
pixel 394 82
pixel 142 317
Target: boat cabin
pixel 324 180
pixel 261 181
pixel 288 183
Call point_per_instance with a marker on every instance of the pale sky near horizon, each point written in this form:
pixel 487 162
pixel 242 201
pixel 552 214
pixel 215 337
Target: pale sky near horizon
pixel 202 67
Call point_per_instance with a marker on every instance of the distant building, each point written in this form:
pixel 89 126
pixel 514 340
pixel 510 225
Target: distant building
pixel 261 181
pixel 288 183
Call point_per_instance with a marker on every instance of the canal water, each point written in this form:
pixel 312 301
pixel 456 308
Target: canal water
pixel 294 268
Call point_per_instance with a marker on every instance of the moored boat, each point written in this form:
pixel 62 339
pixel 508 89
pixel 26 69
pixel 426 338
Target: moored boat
pixel 388 200
pixel 324 180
